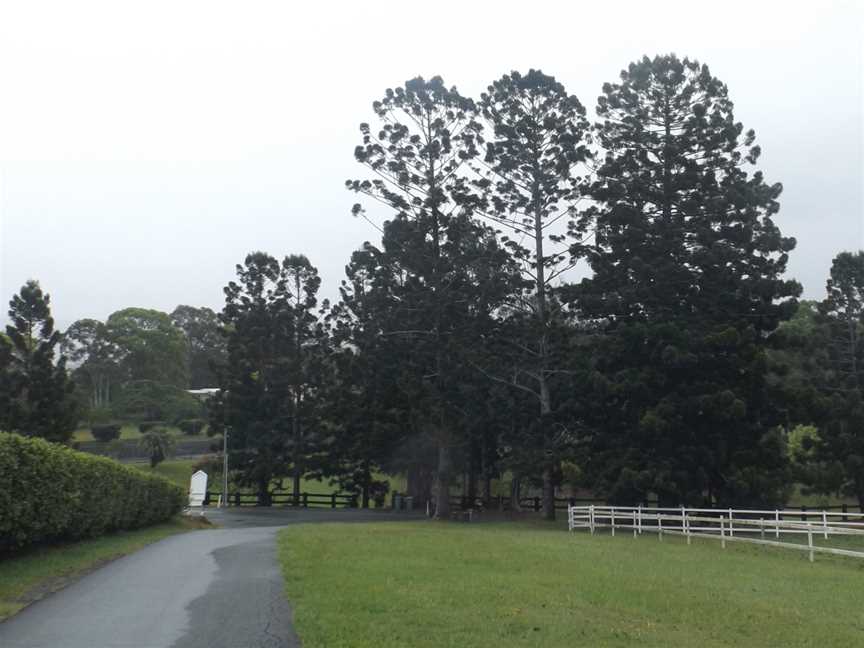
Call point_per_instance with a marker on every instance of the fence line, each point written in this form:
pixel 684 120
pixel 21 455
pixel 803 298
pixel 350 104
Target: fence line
pixel 724 524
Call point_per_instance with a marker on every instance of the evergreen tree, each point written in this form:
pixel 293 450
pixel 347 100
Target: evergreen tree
pixel 38 399
pixel 305 368
pixel 688 268
pixel 271 381
pixel 427 133
pixel 841 434
pixel 538 142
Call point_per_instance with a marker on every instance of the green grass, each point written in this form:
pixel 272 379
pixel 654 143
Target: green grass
pixel 484 585
pixel 180 472
pixel 27 577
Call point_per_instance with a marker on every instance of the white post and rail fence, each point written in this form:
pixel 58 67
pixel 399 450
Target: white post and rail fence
pixel 765 527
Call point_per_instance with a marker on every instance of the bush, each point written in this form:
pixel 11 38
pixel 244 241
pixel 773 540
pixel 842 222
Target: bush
pixel 146 426
pixel 50 493
pixel 105 431
pixel 191 426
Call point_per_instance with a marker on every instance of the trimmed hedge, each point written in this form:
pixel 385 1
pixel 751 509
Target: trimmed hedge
pixel 50 493
pixel 105 431
pixel 192 426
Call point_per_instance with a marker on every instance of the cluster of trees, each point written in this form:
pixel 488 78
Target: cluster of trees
pixel 137 365
pixel 464 344
pixel 461 344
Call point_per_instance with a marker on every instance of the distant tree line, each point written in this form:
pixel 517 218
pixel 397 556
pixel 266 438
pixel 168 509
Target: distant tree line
pixel 465 344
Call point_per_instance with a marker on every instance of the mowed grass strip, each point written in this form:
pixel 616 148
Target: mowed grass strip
pixel 27 577
pixel 433 584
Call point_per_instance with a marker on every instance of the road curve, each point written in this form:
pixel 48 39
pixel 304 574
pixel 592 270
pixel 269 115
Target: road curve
pixel 219 588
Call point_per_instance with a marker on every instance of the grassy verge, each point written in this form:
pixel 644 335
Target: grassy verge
pixel 180 471
pixel 27 577
pixel 432 584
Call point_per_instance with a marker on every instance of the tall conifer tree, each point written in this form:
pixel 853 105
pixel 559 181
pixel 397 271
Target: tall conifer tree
pixel 688 279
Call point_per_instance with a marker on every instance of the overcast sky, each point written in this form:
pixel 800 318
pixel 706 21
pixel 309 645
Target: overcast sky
pixel 146 147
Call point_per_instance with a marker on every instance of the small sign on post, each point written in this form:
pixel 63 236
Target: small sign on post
pixel 198 490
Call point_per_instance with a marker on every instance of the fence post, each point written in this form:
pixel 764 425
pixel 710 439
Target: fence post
pixel 687 529
pixel 722 532
pixel 776 524
pixel 634 523
pixel 305 500
pixel 825 524
pixel 660 527
pixel 536 504
pixel 762 527
pixel 731 528
pixel 810 540
pixel 683 519
pixel 332 500
pixel 613 521
pixel 640 519
pixel 591 518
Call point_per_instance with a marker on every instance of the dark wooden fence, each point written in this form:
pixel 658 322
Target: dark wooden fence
pixel 287 498
pixel 346 500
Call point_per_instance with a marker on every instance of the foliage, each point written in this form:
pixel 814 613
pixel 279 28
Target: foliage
pixel 841 423
pixel 158 443
pixel 97 359
pixel 149 400
pixel 36 394
pixel 205 345
pixel 276 347
pixel 688 282
pixel 439 269
pixel 105 431
pixel 49 493
pixel 539 140
pixel 192 426
pixel 153 348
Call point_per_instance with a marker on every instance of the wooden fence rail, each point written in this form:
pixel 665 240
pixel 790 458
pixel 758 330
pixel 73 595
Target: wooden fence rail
pixel 287 498
pixel 724 524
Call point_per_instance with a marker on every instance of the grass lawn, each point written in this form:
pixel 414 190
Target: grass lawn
pixel 180 471
pixel 29 576
pixel 433 584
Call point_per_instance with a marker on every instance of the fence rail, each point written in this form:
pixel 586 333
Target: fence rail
pixel 724 524
pixel 287 498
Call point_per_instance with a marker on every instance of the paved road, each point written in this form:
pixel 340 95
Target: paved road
pixel 218 588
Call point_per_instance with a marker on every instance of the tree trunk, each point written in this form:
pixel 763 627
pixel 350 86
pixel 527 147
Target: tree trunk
pixel 548 494
pixel 472 486
pixel 295 485
pixel 515 493
pixel 442 483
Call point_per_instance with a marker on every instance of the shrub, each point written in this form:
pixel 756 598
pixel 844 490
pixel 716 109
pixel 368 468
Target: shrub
pixel 105 431
pixel 158 443
pixel 50 493
pixel 191 426
pixel 146 426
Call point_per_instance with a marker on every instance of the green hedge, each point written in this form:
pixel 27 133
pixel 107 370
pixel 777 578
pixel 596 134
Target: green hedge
pixel 51 493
